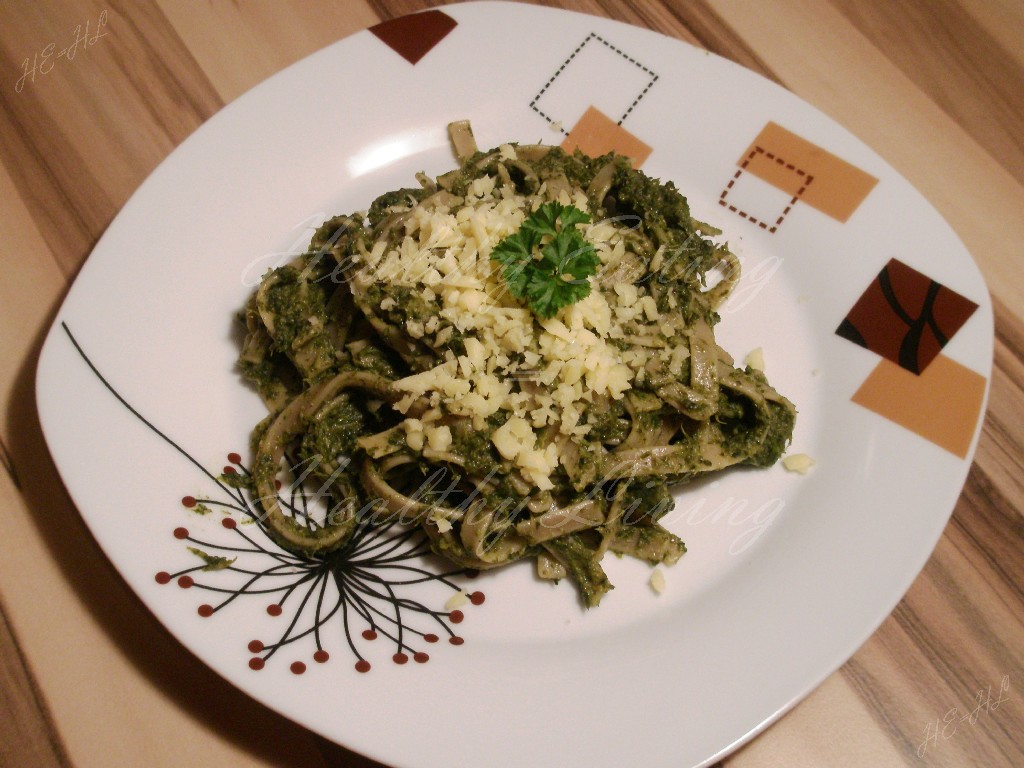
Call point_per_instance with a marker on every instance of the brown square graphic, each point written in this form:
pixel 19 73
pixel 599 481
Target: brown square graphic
pixel 595 134
pixel 941 405
pixel 905 316
pixel 413 36
pixel 787 161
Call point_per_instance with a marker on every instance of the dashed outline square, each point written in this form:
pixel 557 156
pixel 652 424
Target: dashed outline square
pixel 771 228
pixel 592 36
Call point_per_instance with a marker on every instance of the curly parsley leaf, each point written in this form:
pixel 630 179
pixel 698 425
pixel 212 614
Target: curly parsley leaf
pixel 515 254
pixel 548 262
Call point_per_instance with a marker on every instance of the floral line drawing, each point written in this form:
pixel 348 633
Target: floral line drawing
pixel 368 586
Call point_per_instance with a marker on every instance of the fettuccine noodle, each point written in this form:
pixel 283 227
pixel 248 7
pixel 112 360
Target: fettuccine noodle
pixel 404 379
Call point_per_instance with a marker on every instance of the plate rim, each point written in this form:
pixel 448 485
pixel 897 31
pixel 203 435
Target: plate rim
pixel 985 307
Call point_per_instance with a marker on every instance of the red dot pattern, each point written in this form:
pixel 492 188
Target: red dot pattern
pixel 234 458
pixel 320 656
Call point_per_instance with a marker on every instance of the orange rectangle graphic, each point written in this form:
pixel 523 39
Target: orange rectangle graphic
pixel 805 170
pixel 942 404
pixel 595 134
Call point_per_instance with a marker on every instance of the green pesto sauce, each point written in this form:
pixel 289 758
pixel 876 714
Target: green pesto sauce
pixel 334 434
pixel 775 441
pixel 380 208
pixel 235 480
pixel 606 425
pixel 646 501
pixel 376 360
pixel 476 449
pixel 294 302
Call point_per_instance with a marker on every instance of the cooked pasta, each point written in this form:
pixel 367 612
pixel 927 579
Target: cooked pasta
pixel 542 408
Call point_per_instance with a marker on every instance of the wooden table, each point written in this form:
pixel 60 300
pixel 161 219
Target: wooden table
pixel 87 676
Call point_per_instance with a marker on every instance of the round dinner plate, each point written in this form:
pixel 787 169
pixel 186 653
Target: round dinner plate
pixel 871 316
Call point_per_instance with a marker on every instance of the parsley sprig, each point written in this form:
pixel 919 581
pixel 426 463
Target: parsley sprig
pixel 547 263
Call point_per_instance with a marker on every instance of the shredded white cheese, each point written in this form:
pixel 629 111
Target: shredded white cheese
pixel 543 373
pixel 756 359
pixel 798 462
pixel 457 600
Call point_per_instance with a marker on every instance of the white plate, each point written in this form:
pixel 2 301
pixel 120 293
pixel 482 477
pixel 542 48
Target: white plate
pixel 786 574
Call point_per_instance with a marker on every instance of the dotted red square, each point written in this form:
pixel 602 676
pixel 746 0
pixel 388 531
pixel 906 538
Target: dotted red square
pixel 802 179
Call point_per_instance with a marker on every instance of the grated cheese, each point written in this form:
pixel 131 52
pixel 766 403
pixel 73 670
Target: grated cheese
pixel 657 580
pixel 542 373
pixel 457 600
pixel 756 359
pixel 798 462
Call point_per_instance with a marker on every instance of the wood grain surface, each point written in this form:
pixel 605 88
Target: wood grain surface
pixel 87 675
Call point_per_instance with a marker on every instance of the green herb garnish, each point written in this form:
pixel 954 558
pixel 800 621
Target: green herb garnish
pixel 547 263
pixel 213 562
